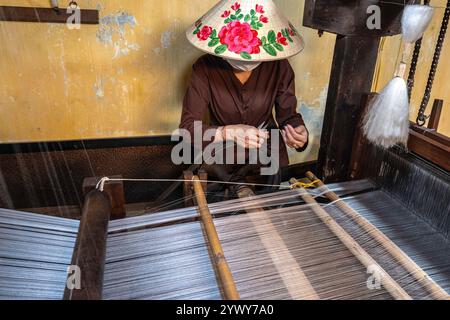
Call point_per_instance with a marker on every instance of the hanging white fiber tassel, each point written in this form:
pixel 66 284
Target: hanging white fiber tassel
pixel 415 21
pixel 387 122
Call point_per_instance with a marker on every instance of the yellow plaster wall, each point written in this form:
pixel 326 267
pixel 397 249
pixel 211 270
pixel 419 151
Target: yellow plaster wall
pixel 59 84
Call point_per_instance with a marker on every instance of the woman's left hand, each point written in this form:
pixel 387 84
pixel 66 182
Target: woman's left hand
pixel 295 137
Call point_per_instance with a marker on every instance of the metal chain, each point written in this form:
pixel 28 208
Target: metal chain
pixel 413 68
pixel 414 61
pixel 421 117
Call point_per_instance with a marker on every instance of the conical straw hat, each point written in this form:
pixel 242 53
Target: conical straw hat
pixel 246 30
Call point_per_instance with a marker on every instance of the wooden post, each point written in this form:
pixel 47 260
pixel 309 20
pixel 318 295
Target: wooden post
pixel 224 273
pixel 90 248
pixel 433 122
pixel 116 193
pixel 351 76
pixel 358 157
pixel 391 286
pixel 421 276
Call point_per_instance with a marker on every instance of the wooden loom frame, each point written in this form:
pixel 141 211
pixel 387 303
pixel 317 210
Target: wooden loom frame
pixel 90 255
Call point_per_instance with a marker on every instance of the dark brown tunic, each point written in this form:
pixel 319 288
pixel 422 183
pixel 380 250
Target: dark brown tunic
pixel 215 90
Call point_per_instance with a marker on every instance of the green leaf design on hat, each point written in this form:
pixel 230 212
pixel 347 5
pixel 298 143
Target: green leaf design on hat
pixel 246 56
pixel 270 50
pixel 221 49
pixel 278 46
pixel 271 36
pixel 213 42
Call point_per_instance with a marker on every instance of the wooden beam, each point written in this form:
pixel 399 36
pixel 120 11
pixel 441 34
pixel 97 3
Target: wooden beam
pixel 438 137
pixel 51 15
pixel 350 17
pixel 430 149
pixel 90 248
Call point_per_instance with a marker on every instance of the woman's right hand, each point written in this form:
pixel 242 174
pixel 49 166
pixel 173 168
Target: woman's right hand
pixel 245 136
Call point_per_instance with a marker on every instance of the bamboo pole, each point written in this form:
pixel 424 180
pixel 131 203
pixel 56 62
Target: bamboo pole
pixel 391 286
pixel 290 272
pixel 421 276
pixel 224 273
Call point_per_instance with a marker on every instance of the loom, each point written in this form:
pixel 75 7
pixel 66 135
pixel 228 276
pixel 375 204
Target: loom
pixel 365 239
pixel 383 234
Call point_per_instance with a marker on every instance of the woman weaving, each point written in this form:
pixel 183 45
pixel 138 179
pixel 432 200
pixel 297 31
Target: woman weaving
pixel 240 82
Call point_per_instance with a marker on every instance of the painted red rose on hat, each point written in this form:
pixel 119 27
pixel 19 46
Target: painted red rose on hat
pixel 239 37
pixel 249 30
pixel 281 39
pixel 204 33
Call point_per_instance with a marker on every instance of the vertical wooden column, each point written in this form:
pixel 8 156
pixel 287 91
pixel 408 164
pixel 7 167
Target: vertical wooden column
pixel 351 76
pixel 360 143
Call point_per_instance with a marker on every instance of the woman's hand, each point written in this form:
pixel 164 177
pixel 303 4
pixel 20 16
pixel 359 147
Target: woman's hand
pixel 245 136
pixel 295 137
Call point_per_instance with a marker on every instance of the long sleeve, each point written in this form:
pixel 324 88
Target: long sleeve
pixel 286 101
pixel 196 102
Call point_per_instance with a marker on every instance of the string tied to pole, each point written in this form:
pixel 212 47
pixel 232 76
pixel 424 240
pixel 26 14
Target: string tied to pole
pixel 101 184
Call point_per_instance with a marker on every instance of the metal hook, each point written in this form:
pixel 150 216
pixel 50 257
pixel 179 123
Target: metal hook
pixel 54 4
pixel 73 4
pixel 421 119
